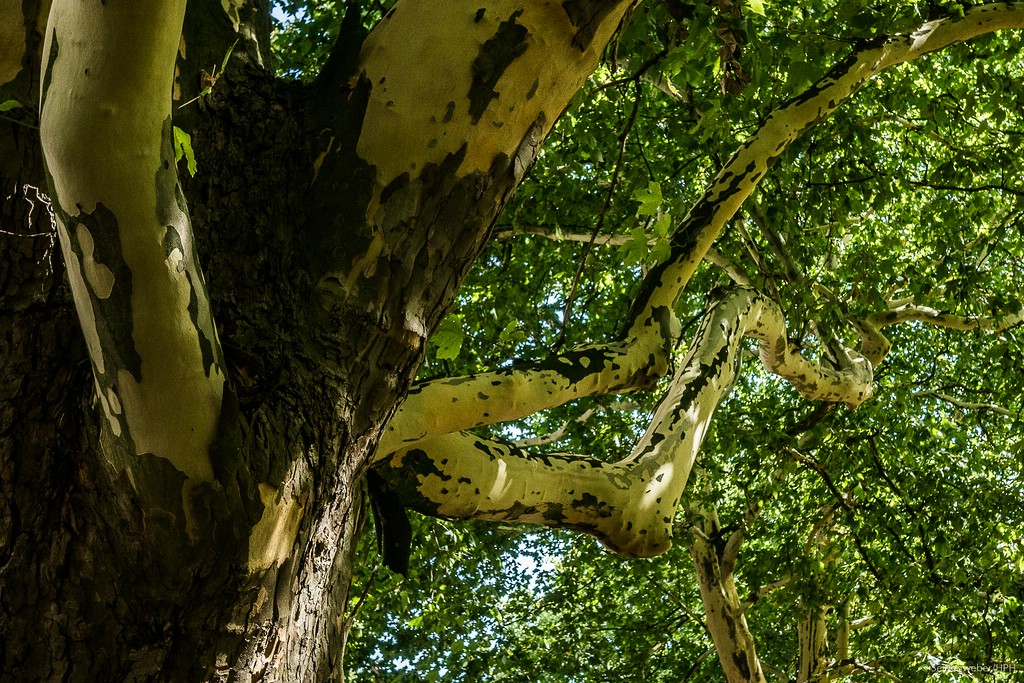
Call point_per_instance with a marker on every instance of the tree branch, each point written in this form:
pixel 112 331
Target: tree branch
pixel 966 405
pixel 124 229
pixel 812 638
pixel 749 164
pixel 764 591
pixel 875 346
pixel 560 433
pixel 726 623
pixel 526 388
pixel 629 505
pixel 713 256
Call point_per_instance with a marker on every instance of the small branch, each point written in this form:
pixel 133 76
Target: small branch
pixel 766 590
pixel 560 433
pixel 777 243
pixel 863 622
pixel 696 664
pixel 925 314
pixel 841 498
pixel 961 188
pixel 635 77
pixel 751 248
pixel 567 313
pixel 779 676
pixel 713 256
pixel 966 405
pixel 875 346
pixel 730 553
pixel 731 268
pixel 556 235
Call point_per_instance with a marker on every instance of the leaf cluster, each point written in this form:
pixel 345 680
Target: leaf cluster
pixel 906 514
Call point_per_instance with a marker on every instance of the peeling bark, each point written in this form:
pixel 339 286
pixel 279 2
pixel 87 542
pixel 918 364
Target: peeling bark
pixel 174 508
pixel 126 237
pixel 629 505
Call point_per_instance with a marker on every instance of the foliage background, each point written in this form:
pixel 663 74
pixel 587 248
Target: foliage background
pixel 906 514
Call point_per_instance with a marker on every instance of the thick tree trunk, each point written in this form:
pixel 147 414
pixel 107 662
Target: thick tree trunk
pixel 330 253
pixel 97 584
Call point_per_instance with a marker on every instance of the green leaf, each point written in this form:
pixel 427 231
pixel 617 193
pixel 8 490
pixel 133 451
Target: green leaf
pixel 650 199
pixel 183 148
pixel 635 250
pixel 661 250
pixel 756 6
pixel 9 105
pixel 447 340
pixel 662 225
pixel 512 334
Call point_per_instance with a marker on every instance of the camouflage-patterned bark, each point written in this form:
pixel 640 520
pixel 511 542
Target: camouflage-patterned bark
pixel 180 489
pixel 181 448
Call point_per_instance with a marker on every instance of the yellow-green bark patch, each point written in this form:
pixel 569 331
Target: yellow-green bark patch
pixel 272 538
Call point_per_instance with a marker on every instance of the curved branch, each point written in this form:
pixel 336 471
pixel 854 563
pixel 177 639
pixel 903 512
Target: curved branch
pixel 124 229
pixel 561 432
pixel 520 391
pixel 924 314
pixel 629 505
pixel 749 164
pixel 526 388
pixel 965 405
pixel 875 346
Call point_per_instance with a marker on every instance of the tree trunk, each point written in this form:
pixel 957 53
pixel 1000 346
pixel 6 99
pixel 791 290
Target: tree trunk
pixel 331 250
pixel 714 558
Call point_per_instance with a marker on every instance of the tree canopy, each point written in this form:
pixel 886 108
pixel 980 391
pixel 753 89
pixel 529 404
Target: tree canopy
pixel 897 524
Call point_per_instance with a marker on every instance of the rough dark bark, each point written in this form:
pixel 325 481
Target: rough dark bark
pixel 115 566
pixel 96 586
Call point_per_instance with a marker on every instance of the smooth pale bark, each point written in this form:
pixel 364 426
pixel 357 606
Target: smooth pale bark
pixel 494 397
pixel 502 395
pixel 629 505
pixel 875 346
pixel 437 157
pixel 812 644
pixel 726 623
pixel 522 71
pixel 624 504
pixel 105 125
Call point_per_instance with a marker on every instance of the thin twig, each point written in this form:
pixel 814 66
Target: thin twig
pixel 567 312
